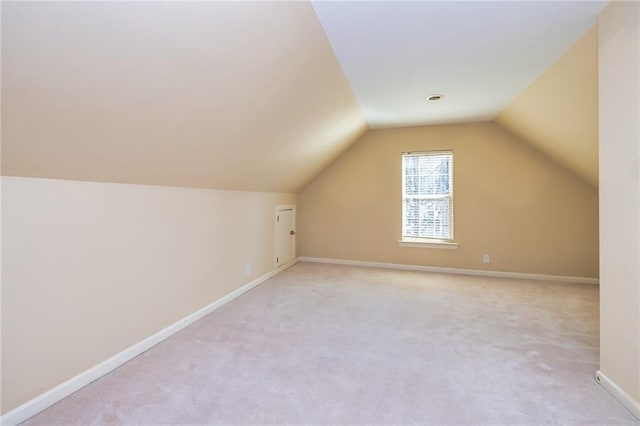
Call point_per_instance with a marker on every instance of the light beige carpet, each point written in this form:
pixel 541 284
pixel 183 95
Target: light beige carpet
pixel 323 344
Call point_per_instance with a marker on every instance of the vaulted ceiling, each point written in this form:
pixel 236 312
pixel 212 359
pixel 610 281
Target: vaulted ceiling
pixel 558 112
pixel 230 95
pixel 479 54
pixel 263 95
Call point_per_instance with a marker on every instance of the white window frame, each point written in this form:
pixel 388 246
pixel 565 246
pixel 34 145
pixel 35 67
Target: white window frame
pixel 425 242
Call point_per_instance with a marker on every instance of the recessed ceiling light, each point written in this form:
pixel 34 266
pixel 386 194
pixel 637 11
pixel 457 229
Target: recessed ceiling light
pixel 435 97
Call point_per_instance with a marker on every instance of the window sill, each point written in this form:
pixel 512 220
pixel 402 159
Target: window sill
pixel 426 243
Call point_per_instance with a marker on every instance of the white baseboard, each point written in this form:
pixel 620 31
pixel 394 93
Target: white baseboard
pixel 620 395
pixel 50 397
pixel 438 269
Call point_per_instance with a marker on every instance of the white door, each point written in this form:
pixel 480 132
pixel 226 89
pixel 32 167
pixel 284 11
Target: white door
pixel 285 234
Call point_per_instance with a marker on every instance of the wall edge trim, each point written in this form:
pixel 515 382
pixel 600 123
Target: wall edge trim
pixel 447 270
pixel 618 394
pixel 77 382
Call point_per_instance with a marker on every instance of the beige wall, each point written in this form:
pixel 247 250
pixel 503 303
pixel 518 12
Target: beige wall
pixel 558 112
pixel 620 195
pixel 226 95
pixel 527 212
pixel 89 269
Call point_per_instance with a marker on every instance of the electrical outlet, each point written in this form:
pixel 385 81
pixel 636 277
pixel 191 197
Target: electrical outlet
pixel 486 258
pixel 247 269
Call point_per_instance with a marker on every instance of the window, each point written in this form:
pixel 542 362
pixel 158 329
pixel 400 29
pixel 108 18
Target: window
pixel 427 196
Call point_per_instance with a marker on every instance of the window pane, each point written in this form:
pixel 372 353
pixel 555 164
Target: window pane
pixel 427 174
pixel 430 218
pixel 411 184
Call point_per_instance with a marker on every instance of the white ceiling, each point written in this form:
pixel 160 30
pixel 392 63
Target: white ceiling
pixel 479 54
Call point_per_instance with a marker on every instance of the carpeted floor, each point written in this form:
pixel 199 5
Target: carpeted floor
pixel 325 344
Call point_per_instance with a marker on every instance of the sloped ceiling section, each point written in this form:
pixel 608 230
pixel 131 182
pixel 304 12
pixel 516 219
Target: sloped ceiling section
pixel 245 96
pixel 558 112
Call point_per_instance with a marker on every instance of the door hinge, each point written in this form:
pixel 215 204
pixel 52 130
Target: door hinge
pixel 277 260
